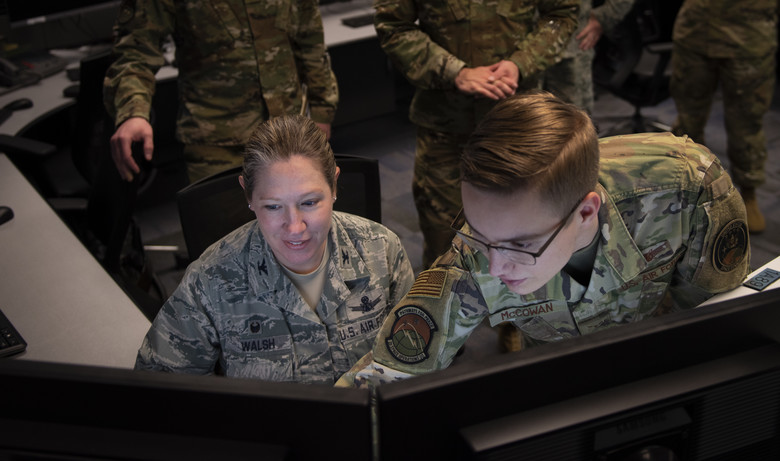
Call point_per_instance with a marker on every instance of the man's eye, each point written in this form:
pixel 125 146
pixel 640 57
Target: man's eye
pixel 517 245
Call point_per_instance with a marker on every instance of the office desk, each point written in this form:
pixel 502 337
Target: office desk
pixel 365 78
pixel 745 291
pixel 54 291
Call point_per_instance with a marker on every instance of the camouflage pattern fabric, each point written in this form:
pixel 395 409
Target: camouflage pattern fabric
pixel 430 42
pixel 436 188
pixel 731 44
pixel 572 78
pixel 240 62
pixel 236 313
pixel 673 233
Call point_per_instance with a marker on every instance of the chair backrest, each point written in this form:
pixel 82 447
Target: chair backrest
pixel 632 63
pixel 211 208
pixel 359 190
pixel 214 206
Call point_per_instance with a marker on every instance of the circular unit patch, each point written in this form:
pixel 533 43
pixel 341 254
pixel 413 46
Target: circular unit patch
pixel 730 246
pixel 411 335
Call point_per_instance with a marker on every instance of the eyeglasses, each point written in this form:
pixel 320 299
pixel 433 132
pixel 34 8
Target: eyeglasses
pixel 512 254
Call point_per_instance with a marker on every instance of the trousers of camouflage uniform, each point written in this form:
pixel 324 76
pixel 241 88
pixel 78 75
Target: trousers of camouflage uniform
pixel 747 85
pixel 572 80
pixel 204 160
pixel 436 188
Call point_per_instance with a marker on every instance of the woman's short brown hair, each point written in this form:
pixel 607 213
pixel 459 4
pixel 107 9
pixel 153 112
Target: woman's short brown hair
pixel 280 138
pixel 534 141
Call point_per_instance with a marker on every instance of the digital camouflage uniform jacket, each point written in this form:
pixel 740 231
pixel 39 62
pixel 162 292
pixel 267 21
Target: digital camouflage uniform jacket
pixel 673 233
pixel 240 62
pixel 235 312
pixel 431 41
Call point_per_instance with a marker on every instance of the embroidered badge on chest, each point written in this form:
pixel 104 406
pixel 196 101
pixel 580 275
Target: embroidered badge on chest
pixel 411 335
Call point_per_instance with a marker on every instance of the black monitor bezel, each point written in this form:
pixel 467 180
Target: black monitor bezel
pixel 447 401
pixel 110 411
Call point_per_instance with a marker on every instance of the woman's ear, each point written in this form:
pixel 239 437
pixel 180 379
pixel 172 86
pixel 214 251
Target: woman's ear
pixel 336 182
pixel 241 181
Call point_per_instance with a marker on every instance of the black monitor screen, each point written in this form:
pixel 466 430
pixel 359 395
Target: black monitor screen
pixel 697 384
pixel 56 411
pixel 36 10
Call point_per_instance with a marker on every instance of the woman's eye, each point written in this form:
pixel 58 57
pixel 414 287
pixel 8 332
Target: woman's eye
pixel 271 207
pixel 309 203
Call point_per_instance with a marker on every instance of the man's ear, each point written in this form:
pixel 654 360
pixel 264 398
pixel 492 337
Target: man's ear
pixel 590 206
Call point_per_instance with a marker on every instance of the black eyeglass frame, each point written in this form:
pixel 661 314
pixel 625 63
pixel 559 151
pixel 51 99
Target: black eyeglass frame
pixel 508 252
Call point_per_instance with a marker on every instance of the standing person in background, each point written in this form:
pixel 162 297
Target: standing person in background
pixel 462 57
pixel 730 43
pixel 572 78
pixel 239 63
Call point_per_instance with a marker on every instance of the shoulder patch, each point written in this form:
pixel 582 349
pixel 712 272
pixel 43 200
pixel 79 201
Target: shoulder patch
pixel 731 246
pixel 411 334
pixel 429 284
pixel 126 11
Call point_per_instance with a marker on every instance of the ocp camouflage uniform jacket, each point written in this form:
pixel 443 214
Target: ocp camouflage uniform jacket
pixel 237 313
pixel 728 28
pixel 453 34
pixel 673 233
pixel 239 62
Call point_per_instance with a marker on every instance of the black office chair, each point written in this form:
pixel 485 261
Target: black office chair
pixel 77 176
pixel 214 206
pixel 633 62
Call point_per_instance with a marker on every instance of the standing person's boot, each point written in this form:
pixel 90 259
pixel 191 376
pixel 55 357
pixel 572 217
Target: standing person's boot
pixel 755 219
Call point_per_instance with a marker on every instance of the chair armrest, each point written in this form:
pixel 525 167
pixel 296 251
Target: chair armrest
pixel 16 145
pixel 660 47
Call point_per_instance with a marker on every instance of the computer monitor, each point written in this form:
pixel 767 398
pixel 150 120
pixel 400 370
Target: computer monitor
pixel 699 384
pixel 71 412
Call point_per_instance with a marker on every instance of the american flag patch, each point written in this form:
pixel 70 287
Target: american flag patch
pixel 429 284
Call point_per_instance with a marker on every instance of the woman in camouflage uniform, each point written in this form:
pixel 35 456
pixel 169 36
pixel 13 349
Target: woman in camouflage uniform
pixel 297 295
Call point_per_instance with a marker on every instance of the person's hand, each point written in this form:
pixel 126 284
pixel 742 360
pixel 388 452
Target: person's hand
pixel 497 81
pixel 590 34
pixel 324 127
pixel 134 129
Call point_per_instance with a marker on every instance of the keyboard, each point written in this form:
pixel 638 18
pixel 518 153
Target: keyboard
pixel 359 21
pixel 11 342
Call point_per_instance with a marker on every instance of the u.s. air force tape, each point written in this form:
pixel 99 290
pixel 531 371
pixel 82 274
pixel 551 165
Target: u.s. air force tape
pixel 411 334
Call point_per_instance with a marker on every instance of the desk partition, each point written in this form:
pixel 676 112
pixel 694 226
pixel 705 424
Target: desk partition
pixel 62 301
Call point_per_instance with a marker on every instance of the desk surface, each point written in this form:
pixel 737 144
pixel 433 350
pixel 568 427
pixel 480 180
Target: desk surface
pixel 47 94
pixel 54 291
pixel 745 291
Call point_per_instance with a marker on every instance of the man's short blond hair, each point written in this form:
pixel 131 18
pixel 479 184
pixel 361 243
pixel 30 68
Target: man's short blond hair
pixel 534 141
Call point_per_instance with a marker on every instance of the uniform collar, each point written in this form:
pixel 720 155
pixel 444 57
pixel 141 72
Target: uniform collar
pixel 345 269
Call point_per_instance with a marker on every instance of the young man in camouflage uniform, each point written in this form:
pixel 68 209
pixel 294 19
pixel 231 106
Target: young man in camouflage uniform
pixel 731 43
pixel 563 235
pixel 572 78
pixel 239 63
pixel 463 56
